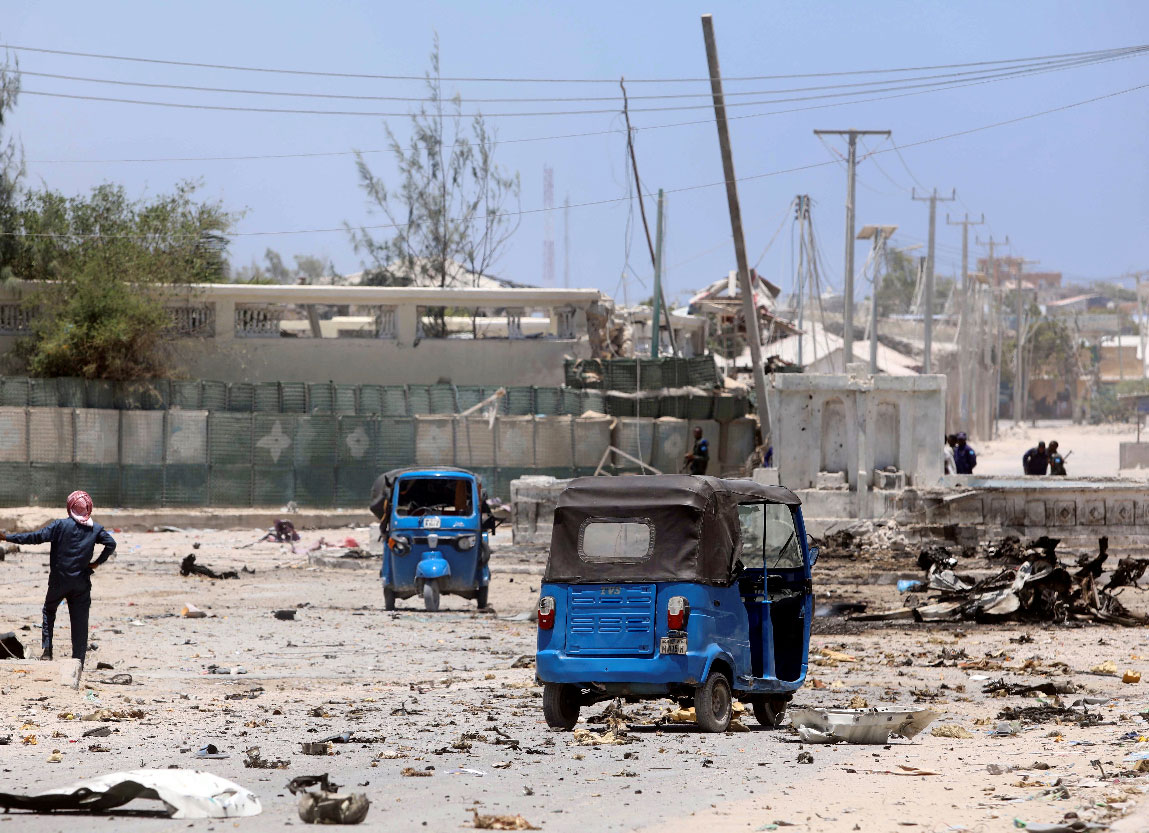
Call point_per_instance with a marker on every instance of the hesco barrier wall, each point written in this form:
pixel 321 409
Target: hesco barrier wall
pixel 203 458
pixel 669 400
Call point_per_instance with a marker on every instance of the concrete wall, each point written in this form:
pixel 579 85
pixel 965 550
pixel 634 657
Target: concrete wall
pixel 854 424
pixel 1077 510
pixel 1134 456
pixel 220 344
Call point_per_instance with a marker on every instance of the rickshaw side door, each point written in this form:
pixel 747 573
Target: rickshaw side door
pixel 775 589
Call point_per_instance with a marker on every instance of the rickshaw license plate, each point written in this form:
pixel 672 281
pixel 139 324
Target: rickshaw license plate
pixel 672 645
pixel 432 523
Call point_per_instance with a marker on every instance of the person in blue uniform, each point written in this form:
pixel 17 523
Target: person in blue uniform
pixel 699 458
pixel 965 458
pixel 73 540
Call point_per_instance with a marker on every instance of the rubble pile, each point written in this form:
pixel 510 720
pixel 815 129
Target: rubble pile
pixel 1033 586
pixel 863 538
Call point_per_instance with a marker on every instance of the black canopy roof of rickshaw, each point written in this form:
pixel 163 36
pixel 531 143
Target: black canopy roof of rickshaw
pixel 381 488
pixel 697 535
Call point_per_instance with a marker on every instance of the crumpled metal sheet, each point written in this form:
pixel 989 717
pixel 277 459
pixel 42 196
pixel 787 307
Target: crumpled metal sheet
pixel 186 794
pixel 874 725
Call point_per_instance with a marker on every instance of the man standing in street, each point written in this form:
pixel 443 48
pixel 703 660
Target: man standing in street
pixel 1056 461
pixel 1036 460
pixel 699 458
pixel 73 540
pixel 965 458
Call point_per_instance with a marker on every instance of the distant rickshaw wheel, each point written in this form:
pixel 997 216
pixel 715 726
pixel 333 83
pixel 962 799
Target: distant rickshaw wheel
pixel 768 711
pixel 713 703
pixel 481 597
pixel 388 598
pixel 431 595
pixel 561 705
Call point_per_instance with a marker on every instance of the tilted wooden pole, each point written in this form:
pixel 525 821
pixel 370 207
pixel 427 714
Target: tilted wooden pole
pixel 749 311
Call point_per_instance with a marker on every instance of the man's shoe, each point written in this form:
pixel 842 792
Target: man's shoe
pixel 46 656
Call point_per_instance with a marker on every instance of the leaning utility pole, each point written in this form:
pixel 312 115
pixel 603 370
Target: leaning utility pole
pixel 848 286
pixel 965 374
pixel 749 311
pixel 927 363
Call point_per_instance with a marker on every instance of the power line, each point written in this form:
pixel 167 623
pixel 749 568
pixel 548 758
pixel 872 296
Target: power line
pixel 679 190
pixel 926 87
pixel 556 137
pixel 381 77
pixel 1015 70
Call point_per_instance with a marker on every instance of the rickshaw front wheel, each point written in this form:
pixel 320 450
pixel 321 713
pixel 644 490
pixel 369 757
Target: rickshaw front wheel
pixel 561 705
pixel 431 595
pixel 388 598
pixel 481 597
pixel 713 703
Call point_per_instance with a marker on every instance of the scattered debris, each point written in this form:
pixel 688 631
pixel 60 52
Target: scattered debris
pixel 805 758
pixel 516 822
pixel 285 615
pixel 118 679
pixel 316 748
pixel 875 725
pixel 10 646
pixel 210 751
pixel 254 760
pixel 951 731
pixel 411 772
pixel 1131 676
pixel 327 805
pixel 1036 586
pixel 98 732
pixel 1105 669
pixel 189 567
pixel 190 611
pixel 186 794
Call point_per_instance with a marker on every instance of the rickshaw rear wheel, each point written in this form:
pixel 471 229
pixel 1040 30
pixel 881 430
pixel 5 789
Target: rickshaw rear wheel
pixel 768 711
pixel 431 595
pixel 388 598
pixel 713 703
pixel 481 597
pixel 561 702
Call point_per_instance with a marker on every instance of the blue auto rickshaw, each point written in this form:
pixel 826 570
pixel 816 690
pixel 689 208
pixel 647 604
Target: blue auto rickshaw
pixel 688 587
pixel 434 523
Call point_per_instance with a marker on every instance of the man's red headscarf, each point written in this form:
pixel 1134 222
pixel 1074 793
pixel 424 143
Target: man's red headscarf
pixel 80 507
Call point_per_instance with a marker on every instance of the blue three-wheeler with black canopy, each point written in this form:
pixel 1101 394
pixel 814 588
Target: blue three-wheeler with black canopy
pixel 681 586
pixel 434 523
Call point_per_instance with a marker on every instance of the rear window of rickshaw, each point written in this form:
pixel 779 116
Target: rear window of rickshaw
pixel 616 540
pixel 433 496
pixel 769 537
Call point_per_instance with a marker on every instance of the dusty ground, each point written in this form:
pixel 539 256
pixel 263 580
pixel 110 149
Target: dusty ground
pixel 410 685
pixel 1095 447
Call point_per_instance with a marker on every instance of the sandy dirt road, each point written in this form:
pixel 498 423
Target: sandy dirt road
pixel 421 690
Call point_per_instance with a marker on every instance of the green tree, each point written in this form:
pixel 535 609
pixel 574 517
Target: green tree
pixel 451 202
pixel 102 262
pixel 11 168
pixel 899 281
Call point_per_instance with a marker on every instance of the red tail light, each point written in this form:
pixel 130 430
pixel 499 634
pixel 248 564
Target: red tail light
pixel 546 613
pixel 677 611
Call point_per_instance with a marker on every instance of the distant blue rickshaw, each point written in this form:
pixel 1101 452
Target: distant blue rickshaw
pixel 688 587
pixel 434 523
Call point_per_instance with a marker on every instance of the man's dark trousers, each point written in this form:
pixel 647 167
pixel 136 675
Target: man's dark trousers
pixel 77 592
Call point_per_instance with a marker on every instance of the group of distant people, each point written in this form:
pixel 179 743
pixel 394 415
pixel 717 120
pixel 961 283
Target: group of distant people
pixel 1043 460
pixel 960 458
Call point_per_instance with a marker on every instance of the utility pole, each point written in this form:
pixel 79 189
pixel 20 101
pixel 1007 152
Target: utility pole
pixel 848 285
pixel 567 242
pixel 965 374
pixel 655 321
pixel 749 312
pixel 879 234
pixel 933 198
pixel 995 287
pixel 1019 389
pixel 802 215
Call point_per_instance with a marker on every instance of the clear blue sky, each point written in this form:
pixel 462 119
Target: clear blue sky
pixel 1070 189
